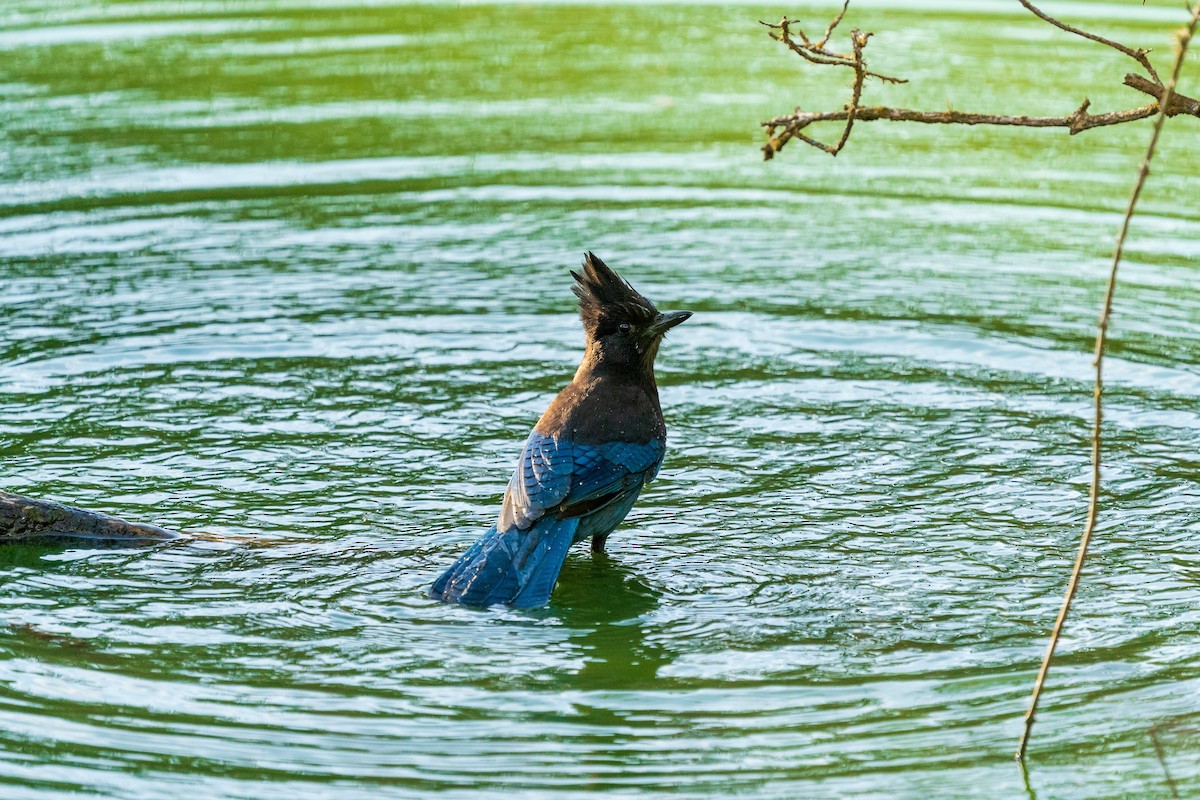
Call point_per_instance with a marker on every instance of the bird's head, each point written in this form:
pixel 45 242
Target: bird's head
pixel 623 328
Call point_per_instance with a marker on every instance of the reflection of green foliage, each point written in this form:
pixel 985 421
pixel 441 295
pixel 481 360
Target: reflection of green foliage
pixel 411 81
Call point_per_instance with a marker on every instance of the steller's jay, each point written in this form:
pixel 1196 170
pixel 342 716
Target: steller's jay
pixel 599 442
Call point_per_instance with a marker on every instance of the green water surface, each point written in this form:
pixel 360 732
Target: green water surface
pixel 298 272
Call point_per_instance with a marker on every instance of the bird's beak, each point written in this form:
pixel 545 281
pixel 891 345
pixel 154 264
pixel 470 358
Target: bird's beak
pixel 667 320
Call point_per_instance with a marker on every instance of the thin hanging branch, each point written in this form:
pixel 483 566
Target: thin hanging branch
pixel 784 128
pixel 1185 37
pixel 1138 55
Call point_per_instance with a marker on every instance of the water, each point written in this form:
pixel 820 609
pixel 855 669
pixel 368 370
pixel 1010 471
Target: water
pixel 296 275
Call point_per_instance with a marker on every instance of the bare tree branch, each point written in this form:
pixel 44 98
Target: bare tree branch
pixel 789 126
pixel 1138 55
pixel 818 53
pixel 1166 103
pixel 782 129
pixel 1178 104
pixel 1093 513
pixel 833 24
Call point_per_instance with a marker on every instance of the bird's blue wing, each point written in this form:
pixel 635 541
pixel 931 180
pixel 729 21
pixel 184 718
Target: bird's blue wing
pixel 559 492
pixel 570 478
pixel 607 472
pixel 541 480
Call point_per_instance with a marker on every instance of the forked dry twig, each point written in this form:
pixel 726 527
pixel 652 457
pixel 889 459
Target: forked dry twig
pixel 784 128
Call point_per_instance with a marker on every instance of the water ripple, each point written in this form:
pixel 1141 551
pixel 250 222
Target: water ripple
pixel 262 284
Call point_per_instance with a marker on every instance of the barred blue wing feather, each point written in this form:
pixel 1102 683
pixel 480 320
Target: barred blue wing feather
pixel 636 456
pixel 541 480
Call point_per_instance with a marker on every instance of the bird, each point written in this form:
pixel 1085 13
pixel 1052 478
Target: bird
pixel 598 443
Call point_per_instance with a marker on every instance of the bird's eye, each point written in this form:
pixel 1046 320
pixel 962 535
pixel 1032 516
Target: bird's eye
pixel 624 328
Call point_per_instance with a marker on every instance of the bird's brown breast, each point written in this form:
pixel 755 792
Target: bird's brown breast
pixel 595 409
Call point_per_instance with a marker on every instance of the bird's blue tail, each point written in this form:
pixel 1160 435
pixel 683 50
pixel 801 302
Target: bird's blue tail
pixel 517 568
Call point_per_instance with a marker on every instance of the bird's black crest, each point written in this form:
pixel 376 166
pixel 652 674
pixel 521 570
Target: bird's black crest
pixel 605 295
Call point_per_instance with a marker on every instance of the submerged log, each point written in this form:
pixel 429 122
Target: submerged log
pixel 24 518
